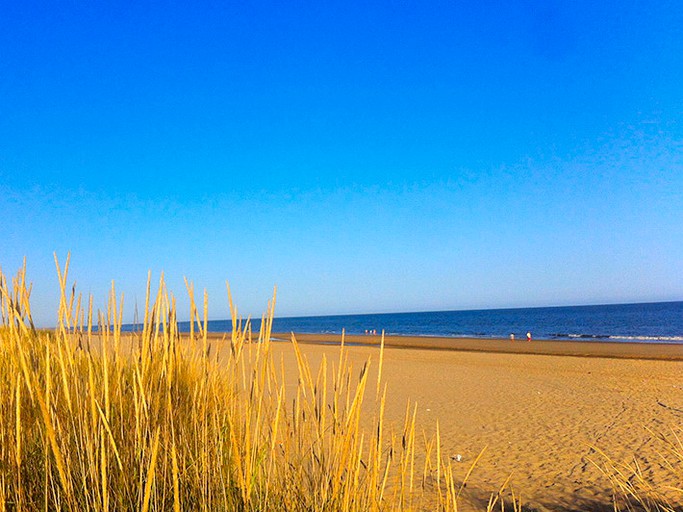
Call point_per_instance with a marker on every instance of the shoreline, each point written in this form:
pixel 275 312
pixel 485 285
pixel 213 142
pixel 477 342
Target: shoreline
pixel 603 349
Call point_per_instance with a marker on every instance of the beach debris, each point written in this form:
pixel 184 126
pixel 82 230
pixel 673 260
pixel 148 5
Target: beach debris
pixel 456 458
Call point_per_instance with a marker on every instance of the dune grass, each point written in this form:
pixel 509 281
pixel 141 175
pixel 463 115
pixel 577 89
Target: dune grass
pixel 634 489
pixel 97 419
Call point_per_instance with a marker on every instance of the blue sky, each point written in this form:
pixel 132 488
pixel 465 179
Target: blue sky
pixel 397 156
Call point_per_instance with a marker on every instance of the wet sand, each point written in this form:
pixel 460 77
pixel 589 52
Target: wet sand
pixel 661 351
pixel 542 416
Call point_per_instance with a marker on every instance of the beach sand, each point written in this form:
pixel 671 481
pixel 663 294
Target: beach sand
pixel 541 409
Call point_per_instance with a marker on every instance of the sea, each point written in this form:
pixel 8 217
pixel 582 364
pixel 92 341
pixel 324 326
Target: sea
pixel 660 322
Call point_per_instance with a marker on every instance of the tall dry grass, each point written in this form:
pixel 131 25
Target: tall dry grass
pixel 634 488
pixel 97 419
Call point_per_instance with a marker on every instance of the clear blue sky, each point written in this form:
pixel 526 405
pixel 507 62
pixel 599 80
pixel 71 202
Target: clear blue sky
pixel 363 157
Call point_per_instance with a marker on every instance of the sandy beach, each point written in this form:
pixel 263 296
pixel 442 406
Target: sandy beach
pixel 542 410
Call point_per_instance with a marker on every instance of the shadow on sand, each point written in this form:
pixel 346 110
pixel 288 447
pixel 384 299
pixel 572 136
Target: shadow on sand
pixel 479 499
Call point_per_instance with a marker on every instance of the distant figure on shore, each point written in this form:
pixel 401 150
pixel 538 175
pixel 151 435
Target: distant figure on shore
pixel 528 336
pixel 512 337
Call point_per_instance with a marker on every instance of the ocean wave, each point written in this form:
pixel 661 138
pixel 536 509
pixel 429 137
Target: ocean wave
pixel 581 336
pixel 618 337
pixel 649 338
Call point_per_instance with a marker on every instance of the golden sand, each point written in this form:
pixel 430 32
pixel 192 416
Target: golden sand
pixel 541 415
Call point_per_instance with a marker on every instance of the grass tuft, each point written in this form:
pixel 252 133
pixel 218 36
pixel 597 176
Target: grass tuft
pixel 98 419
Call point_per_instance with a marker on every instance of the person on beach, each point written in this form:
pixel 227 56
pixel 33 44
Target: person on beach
pixel 512 337
pixel 528 336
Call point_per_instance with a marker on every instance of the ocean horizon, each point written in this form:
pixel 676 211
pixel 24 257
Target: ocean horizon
pixel 650 322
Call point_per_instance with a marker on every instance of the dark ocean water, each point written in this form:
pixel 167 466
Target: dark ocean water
pixel 645 323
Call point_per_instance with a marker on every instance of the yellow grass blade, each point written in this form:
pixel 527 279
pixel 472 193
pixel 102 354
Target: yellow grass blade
pixel 17 431
pixel 150 472
pixel 105 422
pixel 469 471
pixel 103 474
pixel 176 479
